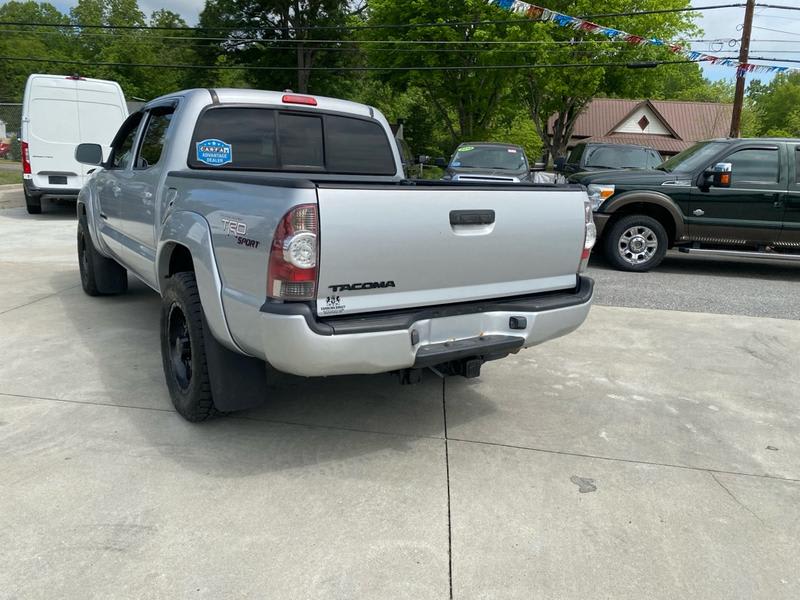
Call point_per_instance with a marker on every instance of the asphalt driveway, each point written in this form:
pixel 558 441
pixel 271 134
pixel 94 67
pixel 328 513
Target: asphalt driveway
pixel 652 454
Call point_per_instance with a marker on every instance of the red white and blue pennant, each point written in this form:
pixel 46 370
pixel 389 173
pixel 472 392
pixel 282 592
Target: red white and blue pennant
pixel 538 13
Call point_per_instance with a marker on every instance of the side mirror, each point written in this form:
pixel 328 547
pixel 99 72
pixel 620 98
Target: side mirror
pixel 89 154
pixel 559 164
pixel 440 162
pixel 722 175
pixel 538 166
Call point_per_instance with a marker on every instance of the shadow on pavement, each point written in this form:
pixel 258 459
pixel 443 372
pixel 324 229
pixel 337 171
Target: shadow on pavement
pixel 52 210
pixel 303 422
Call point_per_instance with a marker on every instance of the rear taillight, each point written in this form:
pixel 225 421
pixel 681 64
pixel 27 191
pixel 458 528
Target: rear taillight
pixel 589 235
pixel 292 271
pixel 26 159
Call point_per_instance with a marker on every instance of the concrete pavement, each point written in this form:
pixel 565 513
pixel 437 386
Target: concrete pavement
pixel 651 454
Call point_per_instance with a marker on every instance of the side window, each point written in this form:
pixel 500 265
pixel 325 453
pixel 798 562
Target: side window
pixel 577 152
pixel 797 164
pixel 356 146
pixel 754 165
pixel 154 136
pixel 655 159
pixel 122 147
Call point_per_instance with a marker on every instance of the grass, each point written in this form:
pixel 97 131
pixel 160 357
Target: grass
pixel 10 177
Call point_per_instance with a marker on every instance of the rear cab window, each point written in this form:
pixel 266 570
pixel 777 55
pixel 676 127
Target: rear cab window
pixel 268 139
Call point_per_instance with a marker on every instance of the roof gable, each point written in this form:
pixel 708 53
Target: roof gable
pixel 644 119
pixel 688 121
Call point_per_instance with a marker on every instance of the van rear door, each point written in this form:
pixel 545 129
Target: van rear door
pixel 62 112
pixel 52 115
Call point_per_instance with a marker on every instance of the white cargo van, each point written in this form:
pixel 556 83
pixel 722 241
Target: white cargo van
pixel 59 112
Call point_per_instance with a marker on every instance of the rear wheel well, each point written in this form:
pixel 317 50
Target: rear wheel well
pixel 180 260
pixel 659 213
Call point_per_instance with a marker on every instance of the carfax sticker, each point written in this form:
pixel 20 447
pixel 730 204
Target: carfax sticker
pixel 466 148
pixel 214 152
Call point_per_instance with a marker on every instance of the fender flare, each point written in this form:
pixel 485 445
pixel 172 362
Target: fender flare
pixel 86 201
pixel 191 230
pixel 615 203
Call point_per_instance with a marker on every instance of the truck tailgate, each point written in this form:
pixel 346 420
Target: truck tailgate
pixel 393 246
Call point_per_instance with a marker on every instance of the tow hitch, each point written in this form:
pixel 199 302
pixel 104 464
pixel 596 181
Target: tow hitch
pixel 469 368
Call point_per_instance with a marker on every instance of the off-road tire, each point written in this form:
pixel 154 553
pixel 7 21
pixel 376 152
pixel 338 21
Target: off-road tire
pixel 99 275
pixel 183 327
pixel 612 241
pixel 33 204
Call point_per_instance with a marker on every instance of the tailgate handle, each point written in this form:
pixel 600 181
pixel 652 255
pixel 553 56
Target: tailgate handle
pixel 471 217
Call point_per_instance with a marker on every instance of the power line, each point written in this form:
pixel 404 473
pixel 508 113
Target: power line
pixel 661 11
pixel 271 26
pixel 777 30
pixel 779 6
pixel 644 64
pixel 399 42
pixel 786 60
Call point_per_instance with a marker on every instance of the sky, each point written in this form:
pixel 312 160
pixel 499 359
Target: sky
pixel 722 24
pixel 718 25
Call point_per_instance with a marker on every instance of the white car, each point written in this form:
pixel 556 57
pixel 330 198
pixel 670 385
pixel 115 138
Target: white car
pixel 59 112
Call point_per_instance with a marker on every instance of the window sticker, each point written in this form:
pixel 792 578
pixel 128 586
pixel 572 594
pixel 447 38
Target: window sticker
pixel 214 152
pixel 512 150
pixel 466 148
pixel 456 163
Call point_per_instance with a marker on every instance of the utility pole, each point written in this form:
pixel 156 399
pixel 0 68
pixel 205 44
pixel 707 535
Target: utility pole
pixel 744 55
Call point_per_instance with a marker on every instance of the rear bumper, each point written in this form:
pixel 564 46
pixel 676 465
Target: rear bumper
pixel 47 192
pixel 296 342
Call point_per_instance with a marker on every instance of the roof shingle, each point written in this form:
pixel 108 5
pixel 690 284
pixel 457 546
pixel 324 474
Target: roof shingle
pixel 691 121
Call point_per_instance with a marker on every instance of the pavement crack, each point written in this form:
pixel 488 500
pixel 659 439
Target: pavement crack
pixel 447 470
pixel 734 498
pixel 8 310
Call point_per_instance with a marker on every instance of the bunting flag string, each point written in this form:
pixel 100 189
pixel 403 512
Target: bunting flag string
pixel 538 13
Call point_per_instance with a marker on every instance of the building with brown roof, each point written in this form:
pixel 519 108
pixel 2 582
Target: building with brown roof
pixel 669 126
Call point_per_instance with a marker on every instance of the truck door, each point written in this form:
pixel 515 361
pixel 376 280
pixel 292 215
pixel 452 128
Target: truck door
pixel 109 184
pixel 790 234
pixel 140 192
pixel 751 210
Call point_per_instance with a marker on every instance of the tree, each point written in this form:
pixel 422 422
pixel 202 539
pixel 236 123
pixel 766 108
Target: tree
pixel 277 33
pixel 776 105
pixel 25 42
pixel 465 101
pixel 560 95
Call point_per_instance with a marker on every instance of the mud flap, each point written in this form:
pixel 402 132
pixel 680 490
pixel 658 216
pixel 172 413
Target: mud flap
pixel 237 382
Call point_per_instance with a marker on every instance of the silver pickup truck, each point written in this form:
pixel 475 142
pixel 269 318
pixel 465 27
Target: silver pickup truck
pixel 279 228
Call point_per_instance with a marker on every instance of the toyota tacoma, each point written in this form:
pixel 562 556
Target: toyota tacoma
pixel 279 230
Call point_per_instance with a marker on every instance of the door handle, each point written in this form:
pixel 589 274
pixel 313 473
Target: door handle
pixel 103 216
pixel 471 217
pixel 699 213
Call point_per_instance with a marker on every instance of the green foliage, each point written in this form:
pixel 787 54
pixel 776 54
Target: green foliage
pixel 15 153
pixel 520 131
pixel 56 45
pixel 284 43
pixel 465 102
pixel 440 108
pixel 776 106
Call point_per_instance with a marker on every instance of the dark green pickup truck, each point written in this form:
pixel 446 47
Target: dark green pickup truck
pixel 730 197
